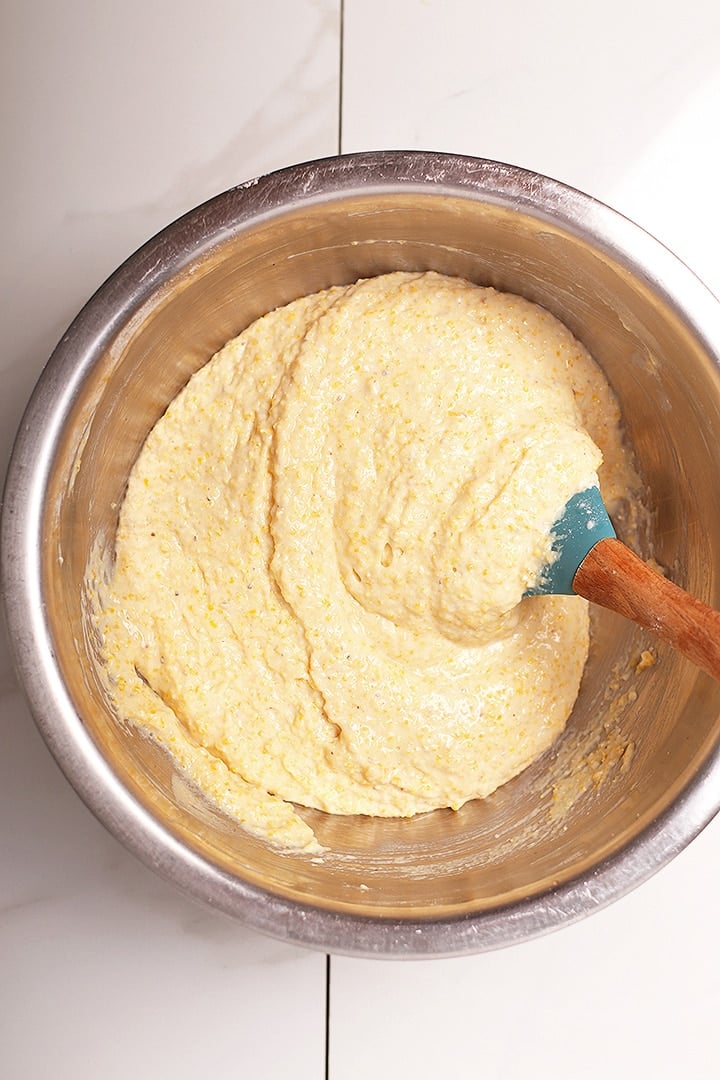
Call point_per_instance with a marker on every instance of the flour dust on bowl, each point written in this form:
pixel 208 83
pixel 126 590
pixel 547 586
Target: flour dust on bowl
pixel 632 779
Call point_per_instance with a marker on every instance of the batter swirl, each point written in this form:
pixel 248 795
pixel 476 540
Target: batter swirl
pixel 322 553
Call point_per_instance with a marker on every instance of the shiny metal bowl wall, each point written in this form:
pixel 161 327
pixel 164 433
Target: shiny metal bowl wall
pixel 636 774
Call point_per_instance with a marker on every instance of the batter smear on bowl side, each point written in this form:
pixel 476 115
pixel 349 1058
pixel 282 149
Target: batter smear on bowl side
pixel 317 594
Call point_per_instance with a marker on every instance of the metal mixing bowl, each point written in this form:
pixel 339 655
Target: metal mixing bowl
pixel 637 773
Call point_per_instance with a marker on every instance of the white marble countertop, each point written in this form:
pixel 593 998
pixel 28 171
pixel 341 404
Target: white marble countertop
pixel 116 117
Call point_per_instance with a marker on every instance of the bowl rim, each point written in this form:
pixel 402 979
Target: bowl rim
pixel 183 241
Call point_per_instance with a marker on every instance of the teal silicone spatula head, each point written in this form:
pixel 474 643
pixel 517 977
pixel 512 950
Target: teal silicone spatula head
pixel 583 523
pixel 588 560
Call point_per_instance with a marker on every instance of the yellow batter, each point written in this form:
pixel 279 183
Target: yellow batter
pixel 324 545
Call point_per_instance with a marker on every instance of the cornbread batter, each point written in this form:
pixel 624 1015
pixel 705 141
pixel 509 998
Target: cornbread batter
pixel 322 553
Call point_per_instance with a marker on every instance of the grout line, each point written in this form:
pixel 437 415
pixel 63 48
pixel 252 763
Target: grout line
pixel 340 84
pixel 327 1016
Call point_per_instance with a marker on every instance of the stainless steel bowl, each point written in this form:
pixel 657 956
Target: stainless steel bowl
pixel 637 773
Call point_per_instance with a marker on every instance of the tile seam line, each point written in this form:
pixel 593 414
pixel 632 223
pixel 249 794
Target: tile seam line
pixel 341 58
pixel 327 1016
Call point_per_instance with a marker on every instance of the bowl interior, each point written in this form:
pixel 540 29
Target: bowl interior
pixel 635 739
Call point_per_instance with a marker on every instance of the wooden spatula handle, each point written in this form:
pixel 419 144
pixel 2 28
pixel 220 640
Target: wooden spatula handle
pixel 612 575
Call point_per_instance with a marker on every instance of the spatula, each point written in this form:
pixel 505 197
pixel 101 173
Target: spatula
pixel 590 561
